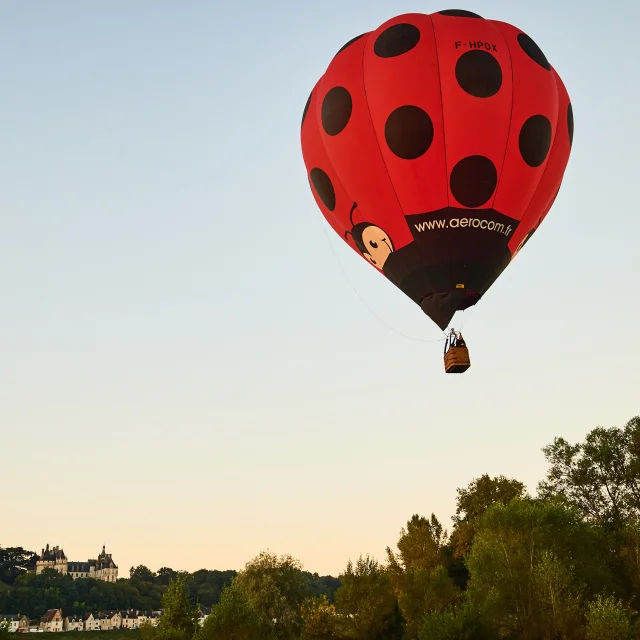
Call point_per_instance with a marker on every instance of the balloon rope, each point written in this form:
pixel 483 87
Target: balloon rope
pixel 344 273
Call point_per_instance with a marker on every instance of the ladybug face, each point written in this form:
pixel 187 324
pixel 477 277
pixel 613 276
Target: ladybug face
pixel 373 243
pixel 378 245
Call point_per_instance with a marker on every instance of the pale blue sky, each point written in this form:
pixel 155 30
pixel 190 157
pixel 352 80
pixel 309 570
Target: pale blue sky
pixel 186 374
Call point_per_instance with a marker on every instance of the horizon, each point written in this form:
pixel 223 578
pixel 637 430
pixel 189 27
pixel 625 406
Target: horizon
pixel 196 369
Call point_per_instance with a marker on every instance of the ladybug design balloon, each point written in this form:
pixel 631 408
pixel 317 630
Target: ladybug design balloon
pixel 435 146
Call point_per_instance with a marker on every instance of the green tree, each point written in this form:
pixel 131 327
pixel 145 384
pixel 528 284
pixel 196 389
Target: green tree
pixel 206 586
pixel 319 618
pixel 5 634
pixel 178 610
pixel 629 557
pixel 417 572
pixel 366 602
pixel 179 620
pixel 322 585
pixel 530 564
pixel 608 619
pixel 600 476
pixel 141 572
pixel 421 544
pixel 463 622
pixel 164 575
pixel 233 618
pixel 6 593
pixel 557 597
pixel 276 587
pixel 474 500
pixel 14 561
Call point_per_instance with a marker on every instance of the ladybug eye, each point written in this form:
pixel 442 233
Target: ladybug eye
pixel 373 244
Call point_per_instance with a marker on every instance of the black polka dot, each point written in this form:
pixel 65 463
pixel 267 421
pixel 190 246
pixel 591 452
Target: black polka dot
pixel 322 184
pixel 535 140
pixel 336 110
pixel 533 51
pixel 479 74
pixel 459 13
pixel 348 44
pixel 570 123
pixel 396 40
pixel 306 108
pixel 473 181
pixel 409 132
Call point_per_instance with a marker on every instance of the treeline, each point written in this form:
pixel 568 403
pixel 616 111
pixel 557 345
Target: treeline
pixel 30 594
pixel 561 565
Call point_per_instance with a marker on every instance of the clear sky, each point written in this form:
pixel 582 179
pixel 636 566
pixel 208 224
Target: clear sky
pixel 185 373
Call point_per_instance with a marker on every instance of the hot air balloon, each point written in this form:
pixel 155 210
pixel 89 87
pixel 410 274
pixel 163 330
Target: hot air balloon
pixel 435 146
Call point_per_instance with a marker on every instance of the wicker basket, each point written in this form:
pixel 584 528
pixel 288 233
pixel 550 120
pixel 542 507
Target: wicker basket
pixel 456 360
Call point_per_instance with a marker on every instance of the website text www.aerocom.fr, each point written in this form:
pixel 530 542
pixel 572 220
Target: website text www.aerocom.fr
pixel 456 223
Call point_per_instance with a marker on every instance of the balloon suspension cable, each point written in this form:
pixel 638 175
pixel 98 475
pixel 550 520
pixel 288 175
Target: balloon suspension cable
pixel 346 276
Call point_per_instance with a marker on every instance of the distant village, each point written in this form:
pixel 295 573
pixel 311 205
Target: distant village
pixel 55 620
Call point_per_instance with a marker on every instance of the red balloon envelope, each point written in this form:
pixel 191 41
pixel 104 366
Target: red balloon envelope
pixel 435 146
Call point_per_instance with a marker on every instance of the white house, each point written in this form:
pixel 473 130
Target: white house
pixel 52 621
pixel 13 619
pixel 73 623
pixel 114 618
pixel 91 623
pixel 130 620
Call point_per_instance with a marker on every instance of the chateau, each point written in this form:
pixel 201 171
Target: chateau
pixel 101 569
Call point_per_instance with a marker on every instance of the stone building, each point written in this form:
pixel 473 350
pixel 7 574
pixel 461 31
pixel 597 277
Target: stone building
pixel 102 568
pixel 53 558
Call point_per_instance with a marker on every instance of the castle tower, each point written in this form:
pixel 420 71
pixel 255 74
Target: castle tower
pixel 53 558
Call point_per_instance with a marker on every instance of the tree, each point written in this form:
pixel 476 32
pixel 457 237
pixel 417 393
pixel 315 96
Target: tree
pixel 608 619
pixel 5 633
pixel 463 622
pixel 206 586
pixel 531 563
pixel 164 576
pixel 322 585
pixel 473 501
pixel 600 477
pixel 179 620
pixel 557 595
pixel 421 544
pixel 141 572
pixel 14 561
pixel 233 618
pixel 420 580
pixel 178 611
pixel 366 602
pixel 319 618
pixel 629 558
pixel 276 588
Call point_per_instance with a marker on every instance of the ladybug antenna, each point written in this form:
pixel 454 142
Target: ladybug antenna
pixel 353 208
pixel 347 234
